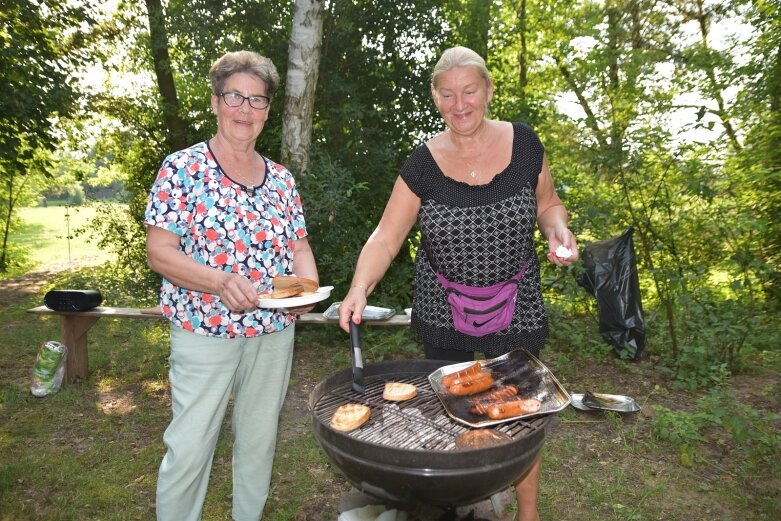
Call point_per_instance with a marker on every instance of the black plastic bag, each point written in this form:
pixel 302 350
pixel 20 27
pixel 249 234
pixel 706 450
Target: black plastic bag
pixel 611 276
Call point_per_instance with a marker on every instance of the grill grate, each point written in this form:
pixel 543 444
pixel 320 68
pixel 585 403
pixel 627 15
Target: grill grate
pixel 421 423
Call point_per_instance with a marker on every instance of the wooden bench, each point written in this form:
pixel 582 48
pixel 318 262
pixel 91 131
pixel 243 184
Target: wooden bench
pixel 74 326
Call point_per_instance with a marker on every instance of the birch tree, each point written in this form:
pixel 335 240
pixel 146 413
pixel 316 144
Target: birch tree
pixel 302 71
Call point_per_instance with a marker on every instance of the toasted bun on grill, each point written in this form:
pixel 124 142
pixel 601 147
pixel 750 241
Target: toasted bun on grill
pixel 350 416
pixel 480 438
pixel 399 391
pixel 306 285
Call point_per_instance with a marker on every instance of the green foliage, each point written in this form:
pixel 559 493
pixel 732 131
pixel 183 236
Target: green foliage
pixel 752 432
pixel 714 332
pixel 125 238
pixel 332 219
pixel 336 231
pixel 37 75
pixel 38 89
pixel 601 82
pixel 390 343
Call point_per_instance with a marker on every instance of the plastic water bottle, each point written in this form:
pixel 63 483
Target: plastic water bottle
pixel 49 368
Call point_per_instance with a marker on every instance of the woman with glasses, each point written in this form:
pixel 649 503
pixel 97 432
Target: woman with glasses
pixel 222 221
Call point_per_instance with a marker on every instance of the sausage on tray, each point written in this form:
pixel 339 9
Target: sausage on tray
pixel 513 408
pixel 449 379
pixel 505 391
pixel 480 404
pixel 472 384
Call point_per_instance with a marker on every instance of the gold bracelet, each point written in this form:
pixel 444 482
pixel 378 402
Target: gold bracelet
pixel 360 286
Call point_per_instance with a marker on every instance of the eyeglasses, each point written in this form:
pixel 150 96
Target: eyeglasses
pixel 234 99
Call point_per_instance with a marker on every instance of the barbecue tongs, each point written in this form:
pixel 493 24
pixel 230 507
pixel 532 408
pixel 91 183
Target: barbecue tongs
pixel 355 353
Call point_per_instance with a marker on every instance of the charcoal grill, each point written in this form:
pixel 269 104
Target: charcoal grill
pixel 405 454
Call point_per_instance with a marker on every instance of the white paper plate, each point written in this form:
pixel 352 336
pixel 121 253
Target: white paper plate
pixel 322 293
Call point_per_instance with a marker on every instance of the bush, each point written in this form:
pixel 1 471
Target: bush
pixel 338 228
pixel 753 433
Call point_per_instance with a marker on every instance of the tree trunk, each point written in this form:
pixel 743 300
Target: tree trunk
pixel 158 37
pixel 13 197
pixel 476 37
pixel 302 71
pixel 523 67
pixel 702 17
pixel 7 227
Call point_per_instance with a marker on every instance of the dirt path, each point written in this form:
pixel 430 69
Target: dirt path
pixel 21 288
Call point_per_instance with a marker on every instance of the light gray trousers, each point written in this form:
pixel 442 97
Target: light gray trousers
pixel 205 372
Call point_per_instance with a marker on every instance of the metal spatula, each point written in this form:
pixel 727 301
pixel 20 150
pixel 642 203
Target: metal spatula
pixel 355 353
pixel 610 402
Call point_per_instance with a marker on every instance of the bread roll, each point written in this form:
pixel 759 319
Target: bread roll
pixel 306 285
pixel 399 391
pixel 350 416
pixel 294 290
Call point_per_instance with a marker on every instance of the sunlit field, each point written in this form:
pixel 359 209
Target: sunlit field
pixel 50 235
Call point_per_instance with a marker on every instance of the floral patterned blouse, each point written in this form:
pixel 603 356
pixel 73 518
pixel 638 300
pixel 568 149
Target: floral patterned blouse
pixel 228 226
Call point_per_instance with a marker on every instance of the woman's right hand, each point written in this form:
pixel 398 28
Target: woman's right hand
pixel 237 293
pixel 352 307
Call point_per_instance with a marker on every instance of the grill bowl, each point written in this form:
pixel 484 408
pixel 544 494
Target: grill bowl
pixel 405 478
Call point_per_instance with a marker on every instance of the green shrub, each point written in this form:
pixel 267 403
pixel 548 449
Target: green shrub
pixel 339 226
pixel 753 432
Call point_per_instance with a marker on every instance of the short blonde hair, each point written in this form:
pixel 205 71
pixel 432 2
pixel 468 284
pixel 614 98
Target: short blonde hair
pixel 243 61
pixel 460 57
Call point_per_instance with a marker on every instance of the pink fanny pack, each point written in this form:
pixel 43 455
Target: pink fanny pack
pixel 481 311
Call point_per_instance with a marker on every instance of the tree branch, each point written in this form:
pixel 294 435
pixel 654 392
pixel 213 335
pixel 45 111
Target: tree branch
pixel 591 120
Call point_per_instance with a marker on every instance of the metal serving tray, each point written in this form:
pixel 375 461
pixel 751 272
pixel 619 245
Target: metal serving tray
pixel 519 368
pixel 577 402
pixel 609 402
pixel 369 312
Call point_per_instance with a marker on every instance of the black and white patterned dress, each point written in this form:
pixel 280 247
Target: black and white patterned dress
pixel 479 235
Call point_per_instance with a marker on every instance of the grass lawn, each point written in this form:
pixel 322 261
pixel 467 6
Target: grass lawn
pixel 92 451
pixel 53 235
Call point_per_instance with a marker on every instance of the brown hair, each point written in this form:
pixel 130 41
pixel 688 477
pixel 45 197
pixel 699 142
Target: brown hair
pixel 243 61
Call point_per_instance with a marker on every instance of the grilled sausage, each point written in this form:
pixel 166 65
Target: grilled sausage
pixel 471 378
pixel 505 391
pixel 472 384
pixel 449 379
pixel 481 404
pixel 512 408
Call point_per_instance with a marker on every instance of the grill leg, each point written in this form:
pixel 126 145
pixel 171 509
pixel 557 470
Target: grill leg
pixel 355 499
pixel 492 509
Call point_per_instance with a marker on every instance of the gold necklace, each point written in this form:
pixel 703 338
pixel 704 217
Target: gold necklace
pixel 473 173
